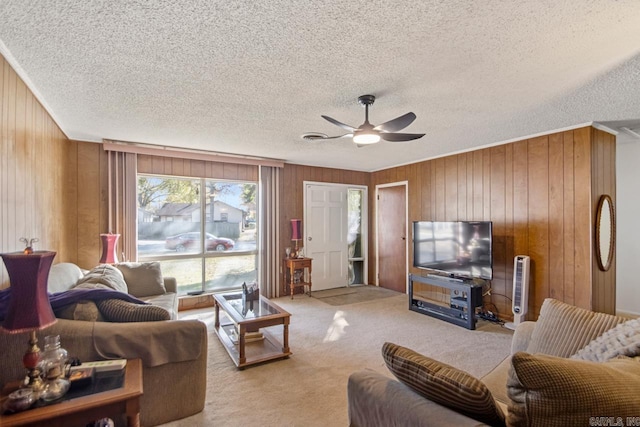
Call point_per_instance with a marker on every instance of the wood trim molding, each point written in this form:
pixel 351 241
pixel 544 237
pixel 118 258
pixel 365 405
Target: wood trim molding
pixel 156 150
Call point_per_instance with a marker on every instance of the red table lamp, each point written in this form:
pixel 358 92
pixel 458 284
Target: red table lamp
pixel 29 308
pixel 296 232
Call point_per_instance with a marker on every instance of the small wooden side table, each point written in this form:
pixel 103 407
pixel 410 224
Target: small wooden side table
pixel 290 266
pixel 83 410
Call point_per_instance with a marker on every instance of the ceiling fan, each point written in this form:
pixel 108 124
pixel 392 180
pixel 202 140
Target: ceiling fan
pixel 367 133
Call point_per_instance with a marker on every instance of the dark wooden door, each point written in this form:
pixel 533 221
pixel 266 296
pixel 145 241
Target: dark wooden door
pixel 392 238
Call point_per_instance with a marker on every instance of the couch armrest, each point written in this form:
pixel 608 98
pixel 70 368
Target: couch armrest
pixel 184 378
pixel 522 336
pixel 376 400
pixel 171 284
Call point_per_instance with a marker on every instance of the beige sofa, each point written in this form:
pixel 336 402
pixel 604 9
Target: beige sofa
pixel 141 280
pixel 173 352
pixel 560 332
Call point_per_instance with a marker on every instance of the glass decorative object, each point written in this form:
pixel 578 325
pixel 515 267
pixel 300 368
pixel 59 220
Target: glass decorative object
pixel 53 363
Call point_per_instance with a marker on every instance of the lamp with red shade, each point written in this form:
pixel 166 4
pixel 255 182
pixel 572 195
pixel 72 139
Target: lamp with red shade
pixel 109 244
pixel 296 233
pixel 29 307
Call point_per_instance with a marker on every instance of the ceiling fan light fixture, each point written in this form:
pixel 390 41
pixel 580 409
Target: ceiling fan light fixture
pixel 368 134
pixel 364 138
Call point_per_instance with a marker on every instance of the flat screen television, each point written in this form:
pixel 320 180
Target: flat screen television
pixel 460 249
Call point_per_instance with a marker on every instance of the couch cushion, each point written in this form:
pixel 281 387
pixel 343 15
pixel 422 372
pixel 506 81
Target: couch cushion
pixel 553 391
pixel 496 381
pixel 115 310
pixel 563 329
pixel 63 277
pixel 168 301
pixel 144 279
pixel 103 276
pixel 623 340
pixel 442 384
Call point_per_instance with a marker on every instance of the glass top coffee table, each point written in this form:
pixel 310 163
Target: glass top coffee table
pixel 241 328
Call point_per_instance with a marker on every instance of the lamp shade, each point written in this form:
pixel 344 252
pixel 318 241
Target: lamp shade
pixel 296 229
pixel 109 243
pixel 29 308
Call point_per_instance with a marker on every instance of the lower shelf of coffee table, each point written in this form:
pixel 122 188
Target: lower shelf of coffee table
pixel 268 348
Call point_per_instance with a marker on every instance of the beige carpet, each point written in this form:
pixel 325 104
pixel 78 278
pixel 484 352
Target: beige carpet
pixel 328 344
pixel 352 295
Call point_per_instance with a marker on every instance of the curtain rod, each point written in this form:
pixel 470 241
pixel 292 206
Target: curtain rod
pixel 156 150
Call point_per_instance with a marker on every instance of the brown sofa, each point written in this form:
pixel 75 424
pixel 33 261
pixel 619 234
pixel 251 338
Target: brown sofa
pixel 539 350
pixel 173 352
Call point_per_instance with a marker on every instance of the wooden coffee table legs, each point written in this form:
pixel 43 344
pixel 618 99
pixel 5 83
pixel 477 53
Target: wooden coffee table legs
pixel 242 341
pixel 285 336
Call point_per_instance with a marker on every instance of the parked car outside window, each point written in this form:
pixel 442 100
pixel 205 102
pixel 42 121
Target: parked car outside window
pixel 185 241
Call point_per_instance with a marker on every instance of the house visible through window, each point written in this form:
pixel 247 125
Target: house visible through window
pixel 215 254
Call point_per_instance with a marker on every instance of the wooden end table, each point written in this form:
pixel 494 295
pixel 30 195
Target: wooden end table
pixel 248 318
pixel 290 265
pixel 83 410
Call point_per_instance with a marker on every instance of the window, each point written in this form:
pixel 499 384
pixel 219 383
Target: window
pixel 215 254
pixel 356 266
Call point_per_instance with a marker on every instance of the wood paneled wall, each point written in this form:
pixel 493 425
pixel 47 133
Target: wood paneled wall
pixel 538 193
pixel 92 205
pixel 37 175
pixel 603 181
pixel 292 193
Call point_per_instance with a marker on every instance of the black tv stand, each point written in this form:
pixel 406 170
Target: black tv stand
pixel 465 297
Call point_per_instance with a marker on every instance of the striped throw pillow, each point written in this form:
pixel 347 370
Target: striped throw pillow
pixel 116 310
pixel 562 329
pixel 554 391
pixel 443 384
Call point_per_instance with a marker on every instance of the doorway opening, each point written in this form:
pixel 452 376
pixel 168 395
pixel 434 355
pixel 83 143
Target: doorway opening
pixel 335 234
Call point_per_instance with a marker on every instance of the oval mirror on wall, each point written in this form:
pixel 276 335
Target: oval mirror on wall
pixel 605 232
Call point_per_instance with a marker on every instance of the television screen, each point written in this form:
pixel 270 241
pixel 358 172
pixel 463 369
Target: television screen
pixel 459 249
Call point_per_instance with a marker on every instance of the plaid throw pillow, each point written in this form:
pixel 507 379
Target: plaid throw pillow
pixel 116 310
pixel 443 384
pixel 553 391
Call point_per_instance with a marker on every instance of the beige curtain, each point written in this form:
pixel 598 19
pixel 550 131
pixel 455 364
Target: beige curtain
pixel 122 183
pixel 269 232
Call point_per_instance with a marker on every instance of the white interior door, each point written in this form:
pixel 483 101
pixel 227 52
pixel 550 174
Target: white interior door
pixel 326 235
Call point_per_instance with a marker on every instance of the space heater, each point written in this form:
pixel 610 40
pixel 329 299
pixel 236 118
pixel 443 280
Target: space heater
pixel 520 290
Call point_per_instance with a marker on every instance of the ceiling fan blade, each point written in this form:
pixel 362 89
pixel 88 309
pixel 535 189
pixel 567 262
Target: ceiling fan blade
pixel 340 124
pixel 400 137
pixel 396 124
pixel 321 136
pixel 346 135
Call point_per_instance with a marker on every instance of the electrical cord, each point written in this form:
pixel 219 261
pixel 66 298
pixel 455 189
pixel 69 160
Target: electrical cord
pixel 502 295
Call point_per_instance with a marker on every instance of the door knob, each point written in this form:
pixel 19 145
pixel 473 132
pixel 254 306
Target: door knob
pixel 309 238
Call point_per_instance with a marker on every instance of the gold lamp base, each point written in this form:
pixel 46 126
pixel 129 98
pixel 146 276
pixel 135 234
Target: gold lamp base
pixel 30 361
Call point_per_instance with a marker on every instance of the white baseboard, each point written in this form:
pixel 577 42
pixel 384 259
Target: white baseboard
pixel 629 314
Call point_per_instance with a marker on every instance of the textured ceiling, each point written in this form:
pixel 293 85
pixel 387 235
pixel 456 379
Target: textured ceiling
pixel 249 77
